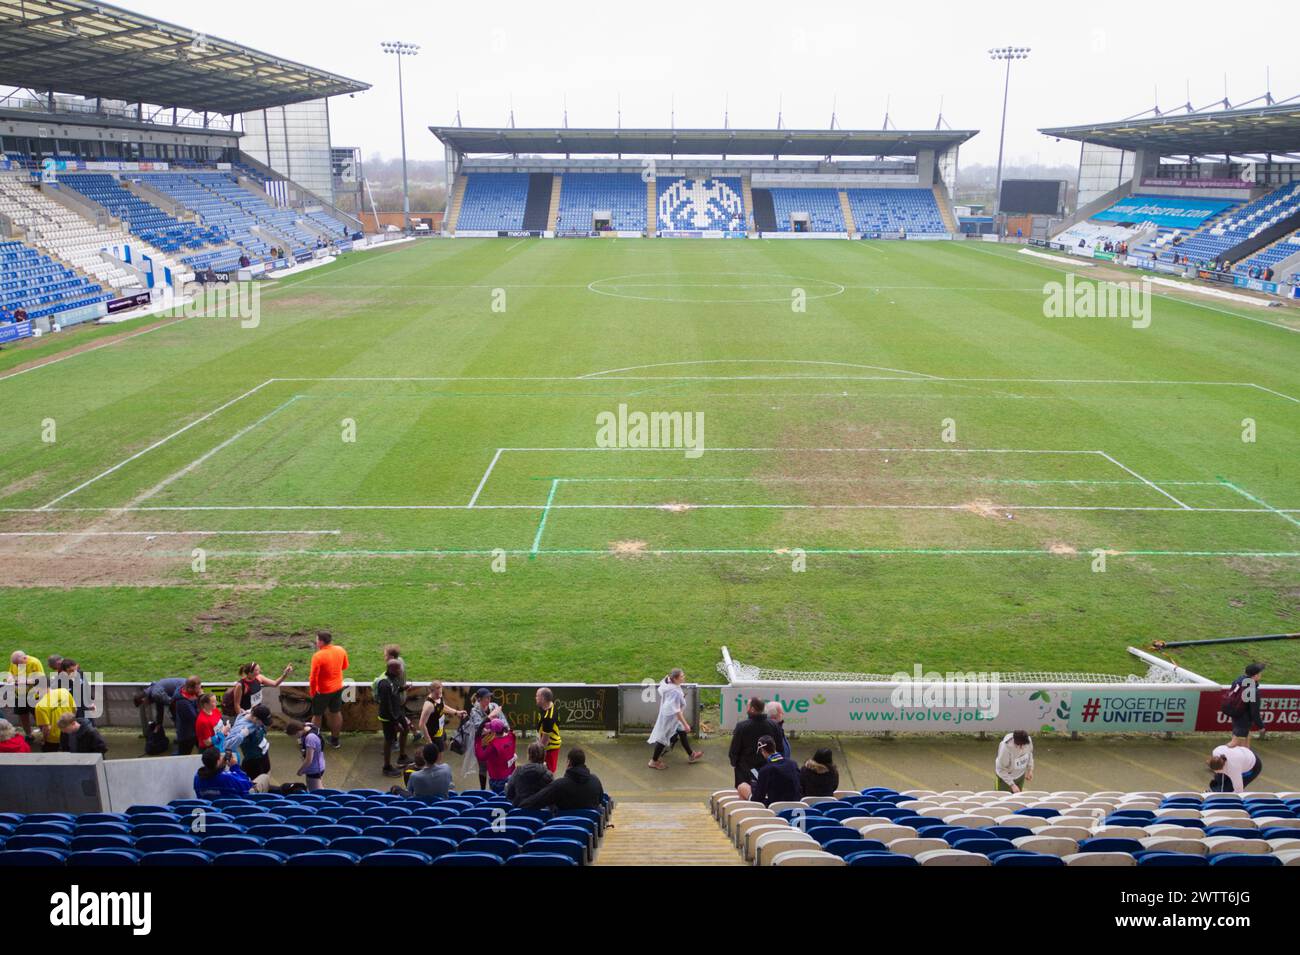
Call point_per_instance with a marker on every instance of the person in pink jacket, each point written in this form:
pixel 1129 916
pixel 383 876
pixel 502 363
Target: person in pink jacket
pixel 495 749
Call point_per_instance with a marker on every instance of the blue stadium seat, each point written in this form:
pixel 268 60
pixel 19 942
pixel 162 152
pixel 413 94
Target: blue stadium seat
pixel 535 859
pixel 1166 859
pixel 430 845
pixel 396 857
pixel 1008 832
pixel 1110 844
pixel 566 847
pixel 393 831
pixel 176 857
pixel 42 840
pixel 88 843
pixel 229 843
pixel 847 847
pixel 260 858
pixel 332 830
pixel 1235 832
pixel 985 845
pixel 1028 860
pixel 504 848
pixel 1242 859
pixel 361 845
pixel 292 845
pixel 31 857
pixel 881 860
pixel 467 859
pixel 333 858
pixel 159 829
pixel 97 858
pixel 274 830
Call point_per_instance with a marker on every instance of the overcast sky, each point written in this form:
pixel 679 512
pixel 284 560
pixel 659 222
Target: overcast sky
pixel 1090 61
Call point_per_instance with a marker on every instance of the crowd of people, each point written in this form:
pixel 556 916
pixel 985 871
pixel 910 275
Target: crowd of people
pixel 50 706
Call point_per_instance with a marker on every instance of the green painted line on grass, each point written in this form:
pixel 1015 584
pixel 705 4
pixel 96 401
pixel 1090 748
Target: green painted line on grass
pixel 1264 504
pixel 541 525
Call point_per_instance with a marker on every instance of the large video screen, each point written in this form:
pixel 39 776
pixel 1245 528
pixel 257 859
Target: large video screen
pixel 1032 196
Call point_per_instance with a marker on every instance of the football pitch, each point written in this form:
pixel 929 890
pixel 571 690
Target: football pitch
pixel 888 455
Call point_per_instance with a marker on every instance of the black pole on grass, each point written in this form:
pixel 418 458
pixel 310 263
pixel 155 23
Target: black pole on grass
pixel 1166 645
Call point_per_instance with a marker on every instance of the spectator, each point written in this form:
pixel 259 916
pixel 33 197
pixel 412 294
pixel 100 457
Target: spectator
pixel 1234 768
pixel 548 727
pixel 71 677
pixel 10 741
pixel 1014 765
pixel 778 777
pixel 312 768
pixel 186 715
pixel 209 728
pixel 392 717
pixel 247 693
pixel 76 736
pixel 28 677
pixel 56 702
pixel 20 315
pixel 819 777
pixel 1241 704
pixel 530 778
pixel 495 749
pixel 578 788
pixel 326 684
pixel 220 778
pixel 776 713
pixel 160 694
pixel 434 781
pixel 480 714
pixel 54 662
pixel 671 726
pixel 247 740
pixel 433 716
pixel 410 769
pixel 743 754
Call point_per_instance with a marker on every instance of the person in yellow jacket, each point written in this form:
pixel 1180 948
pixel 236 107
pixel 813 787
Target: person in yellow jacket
pixel 27 676
pixel 58 701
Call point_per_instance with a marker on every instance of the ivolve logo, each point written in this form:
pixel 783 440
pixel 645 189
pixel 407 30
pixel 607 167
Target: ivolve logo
pixel 75 908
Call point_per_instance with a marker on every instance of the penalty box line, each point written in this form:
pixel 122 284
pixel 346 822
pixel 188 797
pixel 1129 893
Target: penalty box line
pixel 473 501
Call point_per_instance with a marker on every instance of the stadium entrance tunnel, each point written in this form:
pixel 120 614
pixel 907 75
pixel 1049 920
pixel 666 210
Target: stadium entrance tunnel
pixel 715 288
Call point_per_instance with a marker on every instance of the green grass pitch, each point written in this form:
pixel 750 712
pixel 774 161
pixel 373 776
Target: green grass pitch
pixel 915 466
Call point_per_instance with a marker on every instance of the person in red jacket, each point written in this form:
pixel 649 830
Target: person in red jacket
pixel 10 741
pixel 495 749
pixel 209 721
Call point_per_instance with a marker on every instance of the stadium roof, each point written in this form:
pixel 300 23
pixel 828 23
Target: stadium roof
pixel 699 142
pixel 1264 129
pixel 96 50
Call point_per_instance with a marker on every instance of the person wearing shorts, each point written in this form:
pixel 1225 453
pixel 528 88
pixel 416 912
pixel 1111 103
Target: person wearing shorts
pixel 548 727
pixel 325 684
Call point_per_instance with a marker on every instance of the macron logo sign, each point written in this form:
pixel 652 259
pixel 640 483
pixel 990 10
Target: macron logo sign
pixel 74 908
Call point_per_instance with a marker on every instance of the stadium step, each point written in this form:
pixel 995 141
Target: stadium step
pixel 453 208
pixel 538 204
pixel 846 211
pixel 677 834
pixel 651 206
pixel 945 209
pixel 553 214
pixel 747 194
pixel 764 211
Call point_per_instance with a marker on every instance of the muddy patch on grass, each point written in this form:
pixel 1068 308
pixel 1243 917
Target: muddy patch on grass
pixel 628 548
pixel 1062 549
pixel 675 507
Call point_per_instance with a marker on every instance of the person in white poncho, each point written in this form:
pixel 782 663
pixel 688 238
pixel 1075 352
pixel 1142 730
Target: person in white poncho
pixel 672 727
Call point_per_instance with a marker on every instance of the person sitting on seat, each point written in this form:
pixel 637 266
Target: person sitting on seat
pixel 778 777
pixel 578 788
pixel 219 777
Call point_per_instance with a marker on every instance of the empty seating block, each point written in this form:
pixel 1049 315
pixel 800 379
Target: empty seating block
pixel 822 207
pixel 890 211
pixel 583 194
pixel 494 201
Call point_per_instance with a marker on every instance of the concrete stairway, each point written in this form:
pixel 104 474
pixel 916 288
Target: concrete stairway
pixel 553 215
pixel 847 211
pixel 945 208
pixel 747 194
pixel 453 207
pixel 676 834
pixel 651 206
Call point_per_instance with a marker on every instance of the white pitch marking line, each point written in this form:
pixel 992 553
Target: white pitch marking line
pixel 161 485
pixel 752 361
pixel 157 444
pixel 479 490
pixel 1154 487
pixel 183 508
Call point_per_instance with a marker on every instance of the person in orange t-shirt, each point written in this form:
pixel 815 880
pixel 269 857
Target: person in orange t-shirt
pixel 326 684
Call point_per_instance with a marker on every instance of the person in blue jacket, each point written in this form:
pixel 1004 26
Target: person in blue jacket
pixel 220 776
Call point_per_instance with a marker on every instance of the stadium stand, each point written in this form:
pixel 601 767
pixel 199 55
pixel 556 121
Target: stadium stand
pixel 821 205
pixel 582 194
pixel 494 201
pixel 700 204
pixel 328 827
pixel 213 210
pixel 914 211
pixel 1236 226
pixel 40 285
pixel 883 827
pixel 60 232
pixel 1086 236
pixel 1270 256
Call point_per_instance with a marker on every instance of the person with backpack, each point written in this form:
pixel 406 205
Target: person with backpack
pixel 160 694
pixel 1241 705
pixel 247 693
pixel 312 768
pixel 481 713
pixel 495 749
pixel 392 716
pixel 247 740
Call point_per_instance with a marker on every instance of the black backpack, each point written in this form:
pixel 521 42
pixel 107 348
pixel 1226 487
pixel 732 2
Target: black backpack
pixel 156 742
pixel 1234 703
